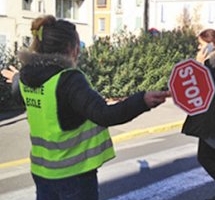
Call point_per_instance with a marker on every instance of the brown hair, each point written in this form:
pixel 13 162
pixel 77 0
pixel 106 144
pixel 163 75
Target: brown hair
pixel 53 36
pixel 208 35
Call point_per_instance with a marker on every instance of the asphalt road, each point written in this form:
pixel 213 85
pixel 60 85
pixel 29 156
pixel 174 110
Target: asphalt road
pixel 147 167
pixel 154 161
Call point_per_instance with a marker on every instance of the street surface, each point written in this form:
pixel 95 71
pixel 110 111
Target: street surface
pixel 149 166
pixel 156 167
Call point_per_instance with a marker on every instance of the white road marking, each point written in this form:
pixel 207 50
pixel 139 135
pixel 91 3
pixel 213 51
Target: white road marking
pixel 24 194
pixel 164 189
pixel 170 187
pixel 134 165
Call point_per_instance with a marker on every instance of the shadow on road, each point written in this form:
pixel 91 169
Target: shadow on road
pixel 11 116
pixel 148 176
pixel 4 115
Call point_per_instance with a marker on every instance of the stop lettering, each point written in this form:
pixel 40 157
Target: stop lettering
pixel 191 86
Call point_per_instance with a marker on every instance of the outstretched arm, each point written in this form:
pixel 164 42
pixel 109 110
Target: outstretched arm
pixel 12 76
pixel 9 73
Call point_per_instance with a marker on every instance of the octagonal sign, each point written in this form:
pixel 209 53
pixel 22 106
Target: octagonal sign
pixel 191 86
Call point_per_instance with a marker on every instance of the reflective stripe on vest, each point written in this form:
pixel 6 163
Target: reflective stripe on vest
pixel 73 160
pixel 56 153
pixel 70 142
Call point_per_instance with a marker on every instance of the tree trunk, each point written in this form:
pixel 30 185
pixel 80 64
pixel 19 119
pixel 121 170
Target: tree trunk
pixel 146 15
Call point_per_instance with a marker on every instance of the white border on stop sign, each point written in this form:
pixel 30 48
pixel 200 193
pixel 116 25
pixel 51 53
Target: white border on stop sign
pixel 211 83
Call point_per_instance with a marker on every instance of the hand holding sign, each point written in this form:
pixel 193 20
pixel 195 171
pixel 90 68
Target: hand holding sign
pixel 191 86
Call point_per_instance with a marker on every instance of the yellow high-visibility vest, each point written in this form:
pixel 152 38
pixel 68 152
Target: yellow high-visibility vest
pixel 56 153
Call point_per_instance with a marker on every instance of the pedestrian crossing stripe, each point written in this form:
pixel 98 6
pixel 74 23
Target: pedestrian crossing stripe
pixel 164 189
pixel 169 187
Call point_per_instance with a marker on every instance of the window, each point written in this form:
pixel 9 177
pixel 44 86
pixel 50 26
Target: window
pixel 186 15
pixel 26 41
pixel 101 24
pixel 67 9
pixel 26 4
pixel 163 14
pixel 138 3
pixel 3 7
pixel 119 24
pixel 101 3
pixel 41 6
pixel 2 40
pixel 138 23
pixel 211 15
pixel 119 4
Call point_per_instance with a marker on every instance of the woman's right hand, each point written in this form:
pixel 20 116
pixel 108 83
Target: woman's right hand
pixel 9 73
pixel 203 53
pixel 155 98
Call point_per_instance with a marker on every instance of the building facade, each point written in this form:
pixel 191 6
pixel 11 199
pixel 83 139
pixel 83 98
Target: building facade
pixel 102 18
pixel 113 16
pixel 15 20
pixel 127 15
pixel 170 14
pixel 98 18
pixel 159 14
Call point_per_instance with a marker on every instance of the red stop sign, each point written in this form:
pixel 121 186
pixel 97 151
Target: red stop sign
pixel 191 86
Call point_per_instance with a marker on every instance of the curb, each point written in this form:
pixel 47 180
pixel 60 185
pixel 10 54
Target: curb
pixel 151 130
pixel 11 120
pixel 116 139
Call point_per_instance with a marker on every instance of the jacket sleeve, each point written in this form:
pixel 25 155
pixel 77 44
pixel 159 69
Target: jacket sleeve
pixel 89 104
pixel 202 125
pixel 15 90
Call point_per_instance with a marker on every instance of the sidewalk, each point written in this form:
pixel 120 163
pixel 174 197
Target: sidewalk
pixel 11 117
pixel 163 118
pixel 10 113
pixel 160 119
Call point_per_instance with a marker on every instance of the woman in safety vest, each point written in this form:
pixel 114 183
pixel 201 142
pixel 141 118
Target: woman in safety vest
pixel 68 120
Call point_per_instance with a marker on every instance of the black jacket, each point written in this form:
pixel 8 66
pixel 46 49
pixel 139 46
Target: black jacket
pixel 76 100
pixel 203 125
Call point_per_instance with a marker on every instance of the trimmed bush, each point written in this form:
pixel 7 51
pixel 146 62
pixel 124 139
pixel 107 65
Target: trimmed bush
pixel 128 63
pixel 7 58
pixel 123 64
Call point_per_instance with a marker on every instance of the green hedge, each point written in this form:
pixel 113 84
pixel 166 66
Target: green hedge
pixel 128 64
pixel 125 64
pixel 7 58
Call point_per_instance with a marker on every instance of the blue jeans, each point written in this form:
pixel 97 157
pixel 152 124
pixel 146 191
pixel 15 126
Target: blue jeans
pixel 80 187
